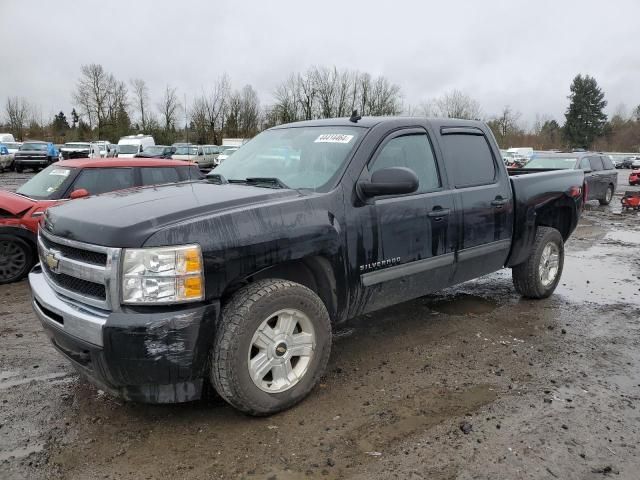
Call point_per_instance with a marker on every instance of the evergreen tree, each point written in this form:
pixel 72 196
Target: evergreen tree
pixel 585 117
pixel 74 118
pixel 60 123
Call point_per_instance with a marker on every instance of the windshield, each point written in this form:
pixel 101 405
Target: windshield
pixel 127 149
pixel 186 151
pixel 34 146
pixel 551 162
pixel 83 146
pixel 303 157
pixel 154 150
pixel 46 183
pixel 229 151
pixel 12 146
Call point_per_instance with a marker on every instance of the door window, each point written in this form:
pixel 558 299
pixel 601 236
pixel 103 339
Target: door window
pixel 469 160
pixel 596 163
pixel 155 176
pixel 102 180
pixel 413 152
pixel 608 164
pixel 584 164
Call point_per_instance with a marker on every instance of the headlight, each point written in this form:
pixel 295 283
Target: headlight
pixel 162 275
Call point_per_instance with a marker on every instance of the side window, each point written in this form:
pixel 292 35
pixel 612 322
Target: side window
pixel 584 164
pixel 469 160
pixel 102 180
pixel 414 152
pixel 155 176
pixel 608 164
pixel 596 163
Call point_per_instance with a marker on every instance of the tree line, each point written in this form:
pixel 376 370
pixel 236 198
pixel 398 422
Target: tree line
pixel 106 107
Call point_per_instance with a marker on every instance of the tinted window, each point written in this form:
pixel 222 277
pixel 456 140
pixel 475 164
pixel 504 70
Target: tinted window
pixel 48 184
pixel 596 163
pixel 469 159
pixel 102 180
pixel 154 176
pixel 584 164
pixel 414 152
pixel 608 163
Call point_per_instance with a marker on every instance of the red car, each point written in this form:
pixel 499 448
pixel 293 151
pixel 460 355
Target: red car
pixel 634 177
pixel 21 212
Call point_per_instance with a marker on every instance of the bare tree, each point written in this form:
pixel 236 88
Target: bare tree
pixel 249 114
pixel 199 118
pixel 457 104
pixel 141 100
pixel 169 107
pixel 18 111
pixel 287 101
pixel 216 106
pixel 92 93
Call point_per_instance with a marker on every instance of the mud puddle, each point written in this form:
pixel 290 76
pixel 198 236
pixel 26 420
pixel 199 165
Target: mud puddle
pixel 462 304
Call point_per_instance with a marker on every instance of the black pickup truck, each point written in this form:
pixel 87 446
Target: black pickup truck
pixel 238 280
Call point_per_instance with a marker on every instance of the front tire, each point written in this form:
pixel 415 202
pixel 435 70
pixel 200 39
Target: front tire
pixel 271 347
pixel 16 259
pixel 608 195
pixel 539 275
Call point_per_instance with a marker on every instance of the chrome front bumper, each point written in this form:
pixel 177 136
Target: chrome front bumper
pixel 64 314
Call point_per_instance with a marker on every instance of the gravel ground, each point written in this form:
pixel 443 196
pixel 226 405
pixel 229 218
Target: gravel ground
pixel 472 383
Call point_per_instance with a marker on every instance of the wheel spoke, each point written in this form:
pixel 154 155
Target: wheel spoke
pixel 282 374
pixel 286 323
pixel 301 345
pixel 260 365
pixel 265 338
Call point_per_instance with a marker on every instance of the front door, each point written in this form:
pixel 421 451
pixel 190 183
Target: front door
pixel 415 231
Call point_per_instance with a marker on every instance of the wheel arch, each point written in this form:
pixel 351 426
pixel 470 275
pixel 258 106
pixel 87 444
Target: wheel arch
pixel 315 273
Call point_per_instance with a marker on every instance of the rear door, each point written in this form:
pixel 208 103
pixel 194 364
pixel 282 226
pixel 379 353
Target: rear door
pixel 415 231
pixel 483 199
pixel 598 177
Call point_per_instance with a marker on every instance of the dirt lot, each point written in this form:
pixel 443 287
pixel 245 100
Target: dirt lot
pixel 473 383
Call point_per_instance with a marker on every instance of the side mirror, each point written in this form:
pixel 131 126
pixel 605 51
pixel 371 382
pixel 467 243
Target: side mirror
pixel 173 150
pixel 79 193
pixel 390 181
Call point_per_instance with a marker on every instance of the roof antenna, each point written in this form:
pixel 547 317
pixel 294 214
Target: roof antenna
pixel 355 117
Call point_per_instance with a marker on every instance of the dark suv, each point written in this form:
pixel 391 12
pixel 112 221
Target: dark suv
pixel 600 174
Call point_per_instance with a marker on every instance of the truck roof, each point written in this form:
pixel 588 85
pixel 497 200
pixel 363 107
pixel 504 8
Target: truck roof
pixel 369 122
pixel 121 162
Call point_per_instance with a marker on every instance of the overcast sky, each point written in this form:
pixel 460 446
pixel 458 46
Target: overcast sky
pixel 518 53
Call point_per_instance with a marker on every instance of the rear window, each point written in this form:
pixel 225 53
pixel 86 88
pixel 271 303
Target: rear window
pixel 469 159
pixel 156 176
pixel 596 163
pixel 559 162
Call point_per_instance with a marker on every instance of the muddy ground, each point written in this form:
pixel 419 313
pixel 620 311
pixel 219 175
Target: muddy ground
pixel 472 383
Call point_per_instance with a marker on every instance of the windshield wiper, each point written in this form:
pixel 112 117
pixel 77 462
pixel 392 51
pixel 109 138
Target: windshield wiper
pixel 267 182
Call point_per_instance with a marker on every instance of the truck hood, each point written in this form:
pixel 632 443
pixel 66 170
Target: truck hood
pixel 15 204
pixel 128 217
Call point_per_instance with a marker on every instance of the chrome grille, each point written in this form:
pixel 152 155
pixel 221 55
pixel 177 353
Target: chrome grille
pixel 80 271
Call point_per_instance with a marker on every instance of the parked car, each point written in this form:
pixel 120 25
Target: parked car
pixel 6 159
pixel 6 137
pixel 240 280
pixel 21 212
pixel 226 153
pixel 35 155
pixel 635 163
pixel 195 153
pixel 627 162
pixel 214 151
pixel 600 175
pixel 76 150
pixel 131 145
pixel 157 151
pixel 634 177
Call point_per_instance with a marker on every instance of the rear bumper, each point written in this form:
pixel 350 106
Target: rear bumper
pixel 152 356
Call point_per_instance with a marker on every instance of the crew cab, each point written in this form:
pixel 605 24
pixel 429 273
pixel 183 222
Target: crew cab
pixel 21 212
pixel 35 155
pixel 600 174
pixel 239 280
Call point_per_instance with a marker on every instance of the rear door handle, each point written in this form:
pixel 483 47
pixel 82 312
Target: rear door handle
pixel 499 202
pixel 439 212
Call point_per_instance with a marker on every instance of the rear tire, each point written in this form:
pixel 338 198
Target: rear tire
pixel 608 195
pixel 254 366
pixel 16 259
pixel 539 275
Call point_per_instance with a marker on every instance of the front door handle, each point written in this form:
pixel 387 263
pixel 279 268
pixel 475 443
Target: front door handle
pixel 499 202
pixel 438 212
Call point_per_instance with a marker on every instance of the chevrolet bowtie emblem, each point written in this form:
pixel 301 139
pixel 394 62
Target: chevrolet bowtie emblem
pixel 52 261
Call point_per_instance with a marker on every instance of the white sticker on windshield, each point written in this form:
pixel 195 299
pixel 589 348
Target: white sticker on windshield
pixel 333 138
pixel 60 172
